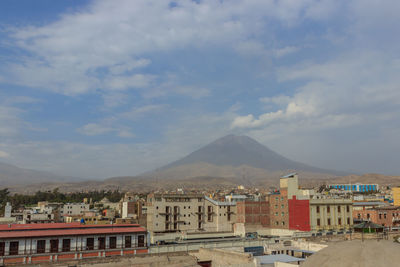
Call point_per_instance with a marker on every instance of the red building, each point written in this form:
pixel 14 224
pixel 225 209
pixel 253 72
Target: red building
pixel 253 213
pixel 299 214
pixel 35 243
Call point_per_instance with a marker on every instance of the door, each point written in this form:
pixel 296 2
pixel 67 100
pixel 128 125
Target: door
pixel 54 245
pixel 2 248
pixel 141 241
pixel 66 246
pixel 102 242
pixel 90 243
pixel 41 246
pixel 14 248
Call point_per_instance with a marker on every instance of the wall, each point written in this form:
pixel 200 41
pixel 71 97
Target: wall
pixel 299 214
pixel 279 211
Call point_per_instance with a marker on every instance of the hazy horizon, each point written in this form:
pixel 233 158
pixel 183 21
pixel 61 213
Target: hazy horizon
pixel 96 89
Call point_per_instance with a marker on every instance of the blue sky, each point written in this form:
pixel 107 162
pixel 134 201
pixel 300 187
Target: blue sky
pixel 107 88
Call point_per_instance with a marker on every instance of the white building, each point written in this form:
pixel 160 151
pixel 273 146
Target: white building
pixel 74 209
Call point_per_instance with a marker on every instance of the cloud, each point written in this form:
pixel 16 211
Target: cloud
pixel 106 45
pixel 4 154
pixel 92 129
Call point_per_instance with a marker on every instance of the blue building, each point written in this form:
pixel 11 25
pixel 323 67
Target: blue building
pixel 355 187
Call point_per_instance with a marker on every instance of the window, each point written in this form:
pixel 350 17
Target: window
pixel 317 209
pixel 113 242
pixel 128 241
pixel 141 241
pixel 276 223
pixel 282 206
pixel 348 208
pixel 54 245
pixel 276 198
pixel 283 214
pixel 384 215
pixel 328 209
pixel 338 209
pixel 282 198
pixel 276 206
pixel 380 215
pixel 276 213
pixel 340 221
pixel 318 222
pixel 14 248
pixel 41 246
pixel 66 245
pixel 283 223
pixel 329 221
pixel 90 243
pixel 368 215
pixel 2 248
pixel 358 216
pixel 348 220
pixel 102 242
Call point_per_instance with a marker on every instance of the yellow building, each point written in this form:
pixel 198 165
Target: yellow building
pixel 396 196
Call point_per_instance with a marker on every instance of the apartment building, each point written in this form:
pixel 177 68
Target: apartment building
pixel 74 209
pixel 189 213
pixel 279 210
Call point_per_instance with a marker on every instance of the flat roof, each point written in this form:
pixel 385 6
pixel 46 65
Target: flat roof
pixel 65 229
pixel 269 259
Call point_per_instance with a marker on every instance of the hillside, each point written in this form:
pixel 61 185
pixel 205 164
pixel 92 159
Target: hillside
pixel 13 175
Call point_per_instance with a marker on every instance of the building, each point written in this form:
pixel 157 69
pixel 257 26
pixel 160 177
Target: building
pixel 7 210
pixel 35 243
pixel 279 210
pixel 331 214
pixel 387 216
pixel 299 214
pixel 396 196
pixel 74 209
pixel 294 208
pixel 36 216
pixel 189 213
pixel 253 214
pixel 355 187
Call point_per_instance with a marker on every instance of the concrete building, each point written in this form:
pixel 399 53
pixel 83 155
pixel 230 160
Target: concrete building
pixel 50 243
pixel 7 210
pixel 74 209
pixel 330 214
pixel 186 216
pixel 396 196
pixel 355 187
pixel 34 216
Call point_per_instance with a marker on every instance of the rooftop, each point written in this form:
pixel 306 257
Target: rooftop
pixel 65 229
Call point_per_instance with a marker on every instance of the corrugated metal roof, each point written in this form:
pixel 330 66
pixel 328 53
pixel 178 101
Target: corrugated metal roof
pixel 290 175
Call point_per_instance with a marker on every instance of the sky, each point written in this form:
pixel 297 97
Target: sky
pixel 97 89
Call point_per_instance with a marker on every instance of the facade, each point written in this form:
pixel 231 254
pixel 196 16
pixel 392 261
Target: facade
pixel 355 187
pixel 330 214
pixel 7 210
pixel 396 196
pixel 189 213
pixel 386 216
pixel 29 244
pixel 279 210
pixel 74 209
pixel 36 216
pixel 299 211
pixel 253 214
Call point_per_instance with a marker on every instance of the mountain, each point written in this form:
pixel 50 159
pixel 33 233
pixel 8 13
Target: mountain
pixel 235 151
pixel 13 175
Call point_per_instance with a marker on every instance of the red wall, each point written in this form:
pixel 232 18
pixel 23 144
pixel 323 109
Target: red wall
pixel 299 214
